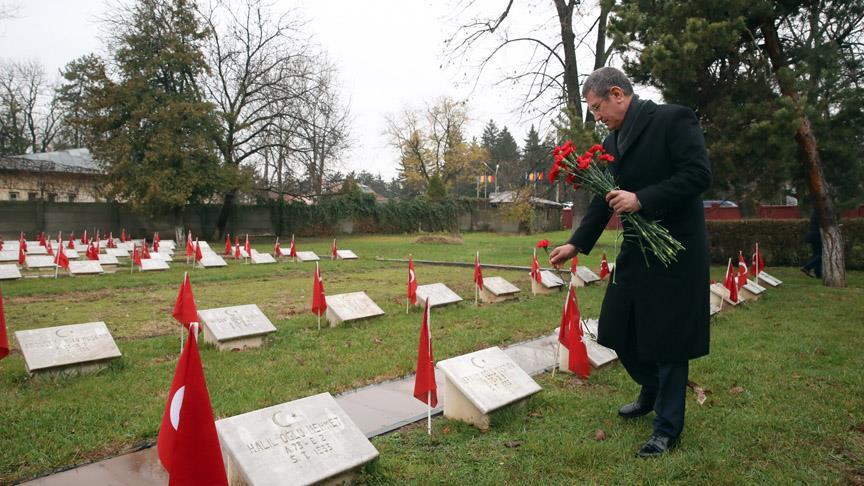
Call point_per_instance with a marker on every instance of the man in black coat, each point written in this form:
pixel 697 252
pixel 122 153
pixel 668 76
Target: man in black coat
pixel 655 317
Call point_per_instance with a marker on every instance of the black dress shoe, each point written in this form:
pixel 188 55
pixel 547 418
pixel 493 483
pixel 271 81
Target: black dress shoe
pixel 657 445
pixel 636 409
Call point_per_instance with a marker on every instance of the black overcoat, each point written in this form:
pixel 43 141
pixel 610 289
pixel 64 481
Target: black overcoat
pixel 665 163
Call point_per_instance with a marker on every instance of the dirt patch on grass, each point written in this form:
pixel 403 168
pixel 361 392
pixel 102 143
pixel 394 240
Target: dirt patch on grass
pixel 440 239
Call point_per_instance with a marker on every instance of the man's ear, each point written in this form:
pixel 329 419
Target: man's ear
pixel 617 93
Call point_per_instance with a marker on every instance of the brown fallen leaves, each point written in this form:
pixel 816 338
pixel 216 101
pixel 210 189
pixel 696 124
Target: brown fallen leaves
pixel 599 435
pixel 701 393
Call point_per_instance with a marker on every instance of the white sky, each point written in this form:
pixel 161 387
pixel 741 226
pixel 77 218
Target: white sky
pixel 389 54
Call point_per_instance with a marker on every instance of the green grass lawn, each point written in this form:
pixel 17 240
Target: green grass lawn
pixel 785 380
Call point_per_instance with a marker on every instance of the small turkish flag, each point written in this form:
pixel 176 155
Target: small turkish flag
pixel 21 257
pixel 293 250
pixel 570 335
pixel 228 244
pixel 333 250
pixel 478 273
pixel 4 339
pixel 604 267
pixel 730 284
pixel 185 311
pixel 425 388
pixel 742 269
pixel 412 282
pixel 188 444
pixel 277 250
pixel 190 249
pixel 198 255
pixel 62 260
pixel 247 246
pixel 535 268
pixel 237 252
pixel 574 264
pixel 319 300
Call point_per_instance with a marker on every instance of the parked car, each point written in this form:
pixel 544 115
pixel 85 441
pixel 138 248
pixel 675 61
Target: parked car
pixel 710 203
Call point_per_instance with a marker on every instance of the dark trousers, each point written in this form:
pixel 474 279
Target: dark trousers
pixel 664 385
pixel 815 262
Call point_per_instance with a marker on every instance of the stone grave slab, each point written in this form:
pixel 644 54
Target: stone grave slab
pixel 125 246
pixel 751 290
pixel 768 279
pixel 80 247
pixel 713 309
pixel 9 272
pixel 67 349
pixel 108 262
pixel 71 254
pixel 720 291
pixel 306 441
pixel 438 295
pixel 350 307
pixel 476 384
pixel 39 262
pixel 8 255
pixel 262 258
pixel 285 252
pixel 85 267
pixel 598 355
pixel 496 289
pixel 212 260
pixel 303 256
pixel 165 256
pixel 584 276
pixel 151 265
pixel 117 252
pixel 202 244
pixel 36 249
pixel 11 245
pixel 237 327
pixel 346 255
pixel 549 282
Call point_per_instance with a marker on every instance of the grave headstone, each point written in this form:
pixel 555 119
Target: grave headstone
pixel 9 255
pixel 306 441
pixel 496 289
pixel 39 262
pixel 108 262
pixel 85 267
pixel 346 255
pixel 713 309
pixel 117 252
pixel 438 295
pixel 768 279
pixel 350 307
pixel 723 293
pixel 9 272
pixel 67 349
pixel 303 256
pixel 262 258
pixel 36 249
pixel 11 245
pixel 751 290
pixel 209 260
pixel 584 276
pixel 237 327
pixel 598 355
pixel 549 282
pixel 151 265
pixel 478 383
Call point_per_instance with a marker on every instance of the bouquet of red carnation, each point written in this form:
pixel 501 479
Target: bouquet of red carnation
pixel 591 171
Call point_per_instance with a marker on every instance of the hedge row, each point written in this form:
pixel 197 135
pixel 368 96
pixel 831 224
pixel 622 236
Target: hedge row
pixel 367 215
pixel 781 241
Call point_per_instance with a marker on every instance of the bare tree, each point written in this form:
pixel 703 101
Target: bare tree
pixel 259 62
pixel 29 110
pixel 551 71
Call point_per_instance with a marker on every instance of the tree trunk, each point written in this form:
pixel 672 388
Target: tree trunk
pixel 599 49
pixel 571 70
pixel 227 207
pixel 833 258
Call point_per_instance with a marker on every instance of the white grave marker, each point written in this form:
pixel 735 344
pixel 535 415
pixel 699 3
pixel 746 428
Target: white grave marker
pixel 303 256
pixel 307 441
pixel 722 293
pixel 584 276
pixel 39 262
pixel 549 282
pixel 36 249
pixel 496 289
pixel 438 295
pixel 151 265
pixel 598 355
pixel 262 258
pixel 8 255
pixel 117 252
pixel 751 290
pixel 346 255
pixel 768 279
pixel 478 383
pixel 209 260
pixel 351 307
pixel 85 267
pixel 67 349
pixel 238 327
pixel 9 272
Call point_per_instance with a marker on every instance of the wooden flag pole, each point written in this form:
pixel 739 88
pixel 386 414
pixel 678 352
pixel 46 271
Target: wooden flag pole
pixel 476 285
pixel 408 300
pixel 757 263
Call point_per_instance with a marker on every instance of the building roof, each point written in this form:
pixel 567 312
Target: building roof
pixel 73 160
pixel 504 197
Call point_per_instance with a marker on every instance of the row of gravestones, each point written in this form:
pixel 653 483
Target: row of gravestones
pixel 38 262
pixel 312 439
pixel 752 290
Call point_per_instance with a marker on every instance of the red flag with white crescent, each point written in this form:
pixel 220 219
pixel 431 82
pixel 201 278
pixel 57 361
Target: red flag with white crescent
pixel 571 337
pixel 742 269
pixel 293 251
pixel 425 388
pixel 319 299
pixel 412 282
pixel 604 267
pixel 535 269
pixel 730 283
pixel 188 444
pixel 478 272
pixel 185 310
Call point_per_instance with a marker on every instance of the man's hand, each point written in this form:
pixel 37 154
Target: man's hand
pixel 623 201
pixel 561 254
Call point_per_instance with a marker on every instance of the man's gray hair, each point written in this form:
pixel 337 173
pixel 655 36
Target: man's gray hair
pixel 604 79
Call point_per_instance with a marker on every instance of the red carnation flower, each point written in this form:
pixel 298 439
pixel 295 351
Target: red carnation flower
pixel 553 173
pixel 595 148
pixel 606 158
pixel 543 244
